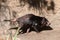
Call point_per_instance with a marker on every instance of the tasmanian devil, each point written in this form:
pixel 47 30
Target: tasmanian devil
pixel 30 21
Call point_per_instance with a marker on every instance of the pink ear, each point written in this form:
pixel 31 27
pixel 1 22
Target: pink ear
pixel 13 19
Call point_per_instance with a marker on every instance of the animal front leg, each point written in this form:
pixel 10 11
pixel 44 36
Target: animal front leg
pixel 35 29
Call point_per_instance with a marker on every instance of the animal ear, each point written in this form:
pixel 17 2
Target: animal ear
pixel 13 19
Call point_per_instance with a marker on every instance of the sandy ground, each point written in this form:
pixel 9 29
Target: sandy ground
pixel 43 35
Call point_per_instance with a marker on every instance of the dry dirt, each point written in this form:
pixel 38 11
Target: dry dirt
pixel 44 35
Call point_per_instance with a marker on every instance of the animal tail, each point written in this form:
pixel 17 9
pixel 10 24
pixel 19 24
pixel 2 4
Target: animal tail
pixel 14 28
pixel 7 20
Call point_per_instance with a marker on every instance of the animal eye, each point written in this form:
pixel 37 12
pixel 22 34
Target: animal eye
pixel 36 24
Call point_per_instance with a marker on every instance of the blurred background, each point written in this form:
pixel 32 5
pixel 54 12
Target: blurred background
pixel 10 9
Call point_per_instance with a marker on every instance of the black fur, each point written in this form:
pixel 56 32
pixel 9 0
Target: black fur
pixel 32 22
